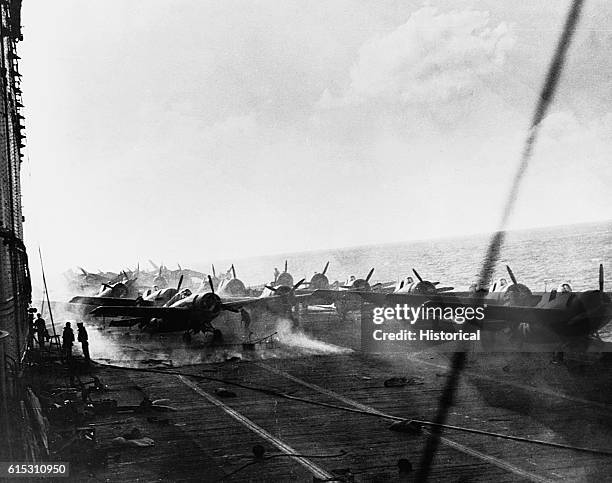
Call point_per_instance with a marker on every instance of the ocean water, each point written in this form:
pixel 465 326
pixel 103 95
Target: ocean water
pixel 540 258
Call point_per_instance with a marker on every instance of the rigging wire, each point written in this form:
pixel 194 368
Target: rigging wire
pixel 492 256
pixel 414 424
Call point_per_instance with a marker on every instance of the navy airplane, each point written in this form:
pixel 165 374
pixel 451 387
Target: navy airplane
pixel 195 313
pixel 511 308
pixel 116 296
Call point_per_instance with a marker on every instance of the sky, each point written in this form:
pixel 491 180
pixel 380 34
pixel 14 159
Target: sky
pixel 199 130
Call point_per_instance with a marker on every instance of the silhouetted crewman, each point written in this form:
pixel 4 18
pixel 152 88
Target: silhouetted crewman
pixel 245 318
pixel 41 331
pixel 83 338
pixel 67 341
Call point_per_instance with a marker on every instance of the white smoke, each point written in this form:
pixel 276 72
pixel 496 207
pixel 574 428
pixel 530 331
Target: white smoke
pixel 304 344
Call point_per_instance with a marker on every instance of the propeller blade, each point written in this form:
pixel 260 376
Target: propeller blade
pixel 601 277
pixel 436 283
pixel 210 282
pixel 213 269
pixel 233 270
pixel 107 286
pixel 180 282
pixel 298 284
pixel 511 273
pixel 445 289
pixel 285 266
pixel 270 288
pixel 416 274
pixel 325 269
pixel 369 275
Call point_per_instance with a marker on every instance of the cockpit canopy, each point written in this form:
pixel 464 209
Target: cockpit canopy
pixel 564 287
pixel 500 285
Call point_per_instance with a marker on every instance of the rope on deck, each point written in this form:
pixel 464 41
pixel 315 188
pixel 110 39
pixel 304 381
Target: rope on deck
pixel 414 423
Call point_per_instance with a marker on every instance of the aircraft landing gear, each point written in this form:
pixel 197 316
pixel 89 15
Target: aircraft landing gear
pixel 342 310
pixel 217 337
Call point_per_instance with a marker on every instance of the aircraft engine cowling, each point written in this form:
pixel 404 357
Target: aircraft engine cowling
pixel 589 312
pixel 160 282
pixel 287 295
pixel 319 281
pixel 234 287
pixel 516 294
pixel 208 302
pixel 119 290
pixel 361 284
pixel 284 279
pixel 423 287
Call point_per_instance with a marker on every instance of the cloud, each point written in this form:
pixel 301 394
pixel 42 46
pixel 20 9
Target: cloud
pixel 565 137
pixel 570 174
pixel 232 129
pixel 432 58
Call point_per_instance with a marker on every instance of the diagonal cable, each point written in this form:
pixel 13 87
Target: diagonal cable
pixel 492 256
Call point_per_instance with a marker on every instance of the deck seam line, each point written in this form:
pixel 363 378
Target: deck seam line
pixel 316 470
pixel 546 392
pixel 458 446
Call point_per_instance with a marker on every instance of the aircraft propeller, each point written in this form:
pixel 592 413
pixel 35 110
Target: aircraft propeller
pixel 511 274
pixel 283 288
pixel 601 277
pixel 367 279
pixel 425 286
pixel 416 274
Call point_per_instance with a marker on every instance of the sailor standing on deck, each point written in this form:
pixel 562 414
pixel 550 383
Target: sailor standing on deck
pixel 41 331
pixel 83 338
pixel 67 341
pixel 245 318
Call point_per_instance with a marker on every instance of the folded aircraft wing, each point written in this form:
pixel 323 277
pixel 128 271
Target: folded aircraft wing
pixel 331 296
pixel 235 304
pixel 102 301
pixel 145 312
